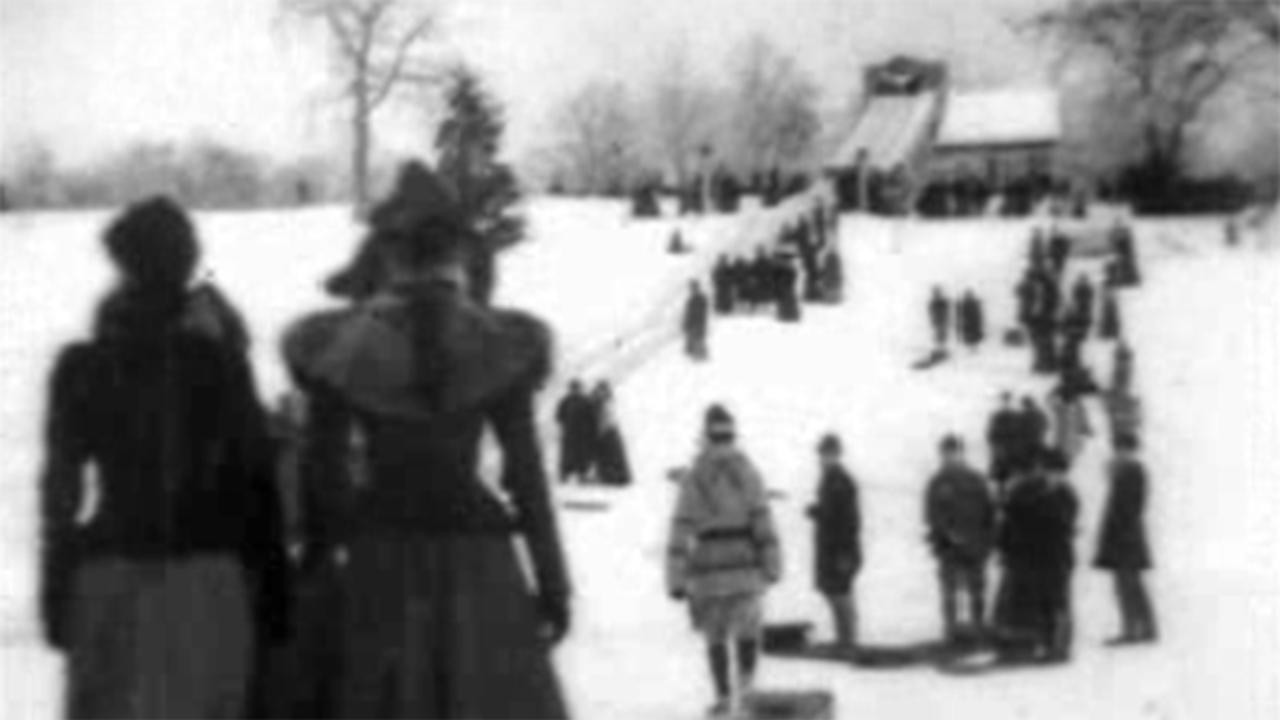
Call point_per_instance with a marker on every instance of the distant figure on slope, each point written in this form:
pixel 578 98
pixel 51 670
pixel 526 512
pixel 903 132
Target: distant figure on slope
pixel 1127 273
pixel 696 323
pixel 837 545
pixel 723 554
pixel 1071 427
pixel 961 519
pixel 723 288
pixel 677 244
pixel 1034 432
pixel 786 288
pixel 577 420
pixel 833 278
pixel 1122 544
pixel 1110 326
pixel 939 317
pixel 157 602
pixel 613 467
pixel 971 321
pixel 1059 252
pixel 1122 369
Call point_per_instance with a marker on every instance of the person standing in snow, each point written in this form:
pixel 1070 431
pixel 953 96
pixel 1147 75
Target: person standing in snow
pixel 1110 326
pixel 723 554
pixel 696 323
pixel 939 317
pixel 833 279
pixel 158 604
pixel 961 518
pixel 613 468
pixel 970 320
pixel 439 610
pixel 785 288
pixel 576 419
pixel 1036 546
pixel 722 284
pixel 1122 545
pixel 1059 252
pixel 1003 439
pixel 1122 369
pixel 1034 432
pixel 837 526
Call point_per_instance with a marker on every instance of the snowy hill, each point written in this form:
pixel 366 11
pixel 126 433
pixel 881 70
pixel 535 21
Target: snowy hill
pixel 1205 328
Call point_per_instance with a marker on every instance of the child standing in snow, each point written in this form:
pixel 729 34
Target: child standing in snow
pixel 723 554
pixel 837 547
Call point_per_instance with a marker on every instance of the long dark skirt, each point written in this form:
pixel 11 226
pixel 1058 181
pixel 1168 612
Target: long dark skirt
pixel 612 464
pixel 443 627
pixel 159 639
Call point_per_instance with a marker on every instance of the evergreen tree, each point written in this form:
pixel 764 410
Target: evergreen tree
pixel 468 143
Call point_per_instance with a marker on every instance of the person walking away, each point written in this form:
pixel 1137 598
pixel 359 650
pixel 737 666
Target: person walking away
pixel 837 521
pixel 159 605
pixel 697 318
pixel 1003 441
pixel 1122 545
pixel 439 609
pixel 939 317
pixel 723 554
pixel 612 466
pixel 576 419
pixel 961 518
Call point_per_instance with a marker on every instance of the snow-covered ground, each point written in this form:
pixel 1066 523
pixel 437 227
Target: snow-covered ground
pixel 1205 326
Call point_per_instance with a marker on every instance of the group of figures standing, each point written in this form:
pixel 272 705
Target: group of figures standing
pixel 967 315
pixel 802 264
pixel 592 449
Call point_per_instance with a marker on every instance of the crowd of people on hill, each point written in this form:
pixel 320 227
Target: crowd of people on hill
pixel 966 316
pixel 801 264
pixel 721 191
pixel 969 195
pixel 333 582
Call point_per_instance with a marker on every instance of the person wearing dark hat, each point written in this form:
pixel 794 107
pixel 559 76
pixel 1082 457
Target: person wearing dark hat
pixel 837 528
pixel 1003 438
pixel 1122 545
pixel 438 609
pixel 158 603
pixel 723 554
pixel 961 518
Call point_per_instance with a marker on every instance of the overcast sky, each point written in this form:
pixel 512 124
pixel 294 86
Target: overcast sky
pixel 87 76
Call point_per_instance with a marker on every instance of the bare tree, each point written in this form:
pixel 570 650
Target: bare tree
pixel 1167 60
pixel 598 135
pixel 682 114
pixel 380 48
pixel 774 118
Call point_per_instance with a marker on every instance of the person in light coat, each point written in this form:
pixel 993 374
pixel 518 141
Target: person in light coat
pixel 723 554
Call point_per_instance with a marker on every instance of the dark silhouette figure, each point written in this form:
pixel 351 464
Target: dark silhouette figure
pixel 438 608
pixel 577 420
pixel 961 518
pixel 940 317
pixel 1122 545
pixel 161 402
pixel 971 321
pixel 696 323
pixel 837 527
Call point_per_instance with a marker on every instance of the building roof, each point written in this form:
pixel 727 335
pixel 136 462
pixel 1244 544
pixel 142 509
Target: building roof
pixel 1001 117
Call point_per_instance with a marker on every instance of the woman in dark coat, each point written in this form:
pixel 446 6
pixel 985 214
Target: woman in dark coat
pixel 1122 545
pixel 837 525
pixel 439 619
pixel 157 601
pixel 612 466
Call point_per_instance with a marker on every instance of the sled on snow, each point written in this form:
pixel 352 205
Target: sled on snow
pixel 933 359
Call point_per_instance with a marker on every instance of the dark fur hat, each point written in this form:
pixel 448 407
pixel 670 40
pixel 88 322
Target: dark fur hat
pixel 153 243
